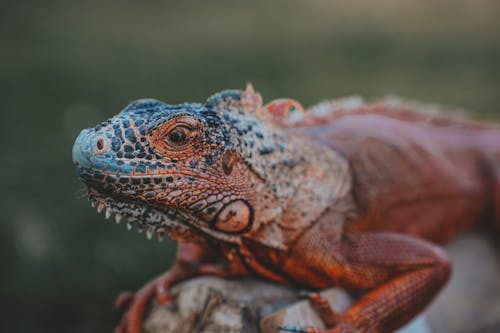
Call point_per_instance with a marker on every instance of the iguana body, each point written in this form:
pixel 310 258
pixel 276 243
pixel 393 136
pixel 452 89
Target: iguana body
pixel 345 194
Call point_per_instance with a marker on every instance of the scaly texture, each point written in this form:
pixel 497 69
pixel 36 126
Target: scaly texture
pixel 344 194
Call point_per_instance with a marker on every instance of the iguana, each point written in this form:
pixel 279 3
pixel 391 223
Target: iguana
pixel 343 194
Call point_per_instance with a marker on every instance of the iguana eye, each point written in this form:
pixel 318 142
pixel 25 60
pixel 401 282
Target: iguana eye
pixel 179 136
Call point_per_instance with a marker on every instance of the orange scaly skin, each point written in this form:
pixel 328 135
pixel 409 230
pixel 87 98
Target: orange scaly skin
pixel 344 194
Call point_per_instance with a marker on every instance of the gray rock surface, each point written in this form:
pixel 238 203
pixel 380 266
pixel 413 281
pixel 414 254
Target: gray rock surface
pixel 470 302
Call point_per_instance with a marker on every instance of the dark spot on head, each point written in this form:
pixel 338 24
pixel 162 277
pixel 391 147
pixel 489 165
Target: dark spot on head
pixel 130 135
pixel 139 147
pixel 266 150
pixel 228 160
pixel 98 175
pixel 111 179
pixel 208 159
pixel 128 149
pixel 288 162
pixel 118 133
pixel 115 143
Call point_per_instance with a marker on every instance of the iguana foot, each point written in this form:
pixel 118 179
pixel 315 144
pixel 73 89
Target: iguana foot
pixel 136 304
pixel 158 289
pixel 322 307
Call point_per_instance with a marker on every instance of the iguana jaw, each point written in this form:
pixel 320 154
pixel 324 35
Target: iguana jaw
pixel 144 218
pixel 179 219
pixel 177 224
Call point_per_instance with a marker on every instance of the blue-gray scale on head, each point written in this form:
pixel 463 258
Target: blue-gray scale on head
pixel 169 166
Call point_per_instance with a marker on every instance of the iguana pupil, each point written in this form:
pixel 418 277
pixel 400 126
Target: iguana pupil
pixel 178 136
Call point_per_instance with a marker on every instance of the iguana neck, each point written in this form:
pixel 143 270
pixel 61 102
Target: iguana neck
pixel 295 180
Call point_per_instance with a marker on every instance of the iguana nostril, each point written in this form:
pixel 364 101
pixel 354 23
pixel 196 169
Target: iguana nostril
pixel 101 146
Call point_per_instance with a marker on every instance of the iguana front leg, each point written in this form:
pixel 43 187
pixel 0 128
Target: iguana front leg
pixel 402 273
pixel 191 260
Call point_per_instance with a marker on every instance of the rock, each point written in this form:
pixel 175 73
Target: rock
pixel 211 304
pixel 469 303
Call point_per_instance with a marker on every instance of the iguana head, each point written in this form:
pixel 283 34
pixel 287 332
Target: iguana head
pixel 220 168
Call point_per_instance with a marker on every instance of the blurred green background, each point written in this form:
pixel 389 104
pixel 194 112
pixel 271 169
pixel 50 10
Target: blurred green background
pixel 66 65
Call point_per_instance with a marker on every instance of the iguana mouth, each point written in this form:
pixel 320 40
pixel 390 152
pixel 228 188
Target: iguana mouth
pixel 145 217
pixel 177 223
pixel 159 221
pixel 127 203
